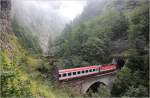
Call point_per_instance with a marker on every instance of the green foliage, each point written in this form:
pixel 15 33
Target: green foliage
pixel 139 91
pixel 136 63
pixel 20 76
pixel 138 79
pixel 139 26
pixel 127 83
pixel 14 81
pixel 25 37
pixel 123 80
pixel 82 46
pixel 49 71
pixel 132 52
pixel 118 23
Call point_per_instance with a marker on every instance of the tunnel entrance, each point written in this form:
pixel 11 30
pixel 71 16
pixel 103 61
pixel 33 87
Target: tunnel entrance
pixel 94 88
pixel 120 63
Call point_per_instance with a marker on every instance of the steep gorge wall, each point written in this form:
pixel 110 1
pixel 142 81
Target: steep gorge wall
pixel 7 37
pixel 5 9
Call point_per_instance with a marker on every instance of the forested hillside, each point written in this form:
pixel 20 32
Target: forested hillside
pixel 21 62
pixel 120 29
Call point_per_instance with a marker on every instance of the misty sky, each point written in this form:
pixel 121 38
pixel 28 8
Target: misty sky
pixel 67 9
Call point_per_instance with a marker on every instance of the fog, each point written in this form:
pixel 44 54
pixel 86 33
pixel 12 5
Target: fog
pixel 46 18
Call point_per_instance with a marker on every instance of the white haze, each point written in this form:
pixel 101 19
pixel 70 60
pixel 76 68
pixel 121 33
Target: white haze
pixel 46 18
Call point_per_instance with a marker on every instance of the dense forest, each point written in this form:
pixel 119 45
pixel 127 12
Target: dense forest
pixel 120 29
pixel 104 30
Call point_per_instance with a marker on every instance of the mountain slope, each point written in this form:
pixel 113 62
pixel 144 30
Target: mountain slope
pixel 120 31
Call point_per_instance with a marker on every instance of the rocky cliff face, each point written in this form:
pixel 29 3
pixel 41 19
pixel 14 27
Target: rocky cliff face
pixel 5 27
pixel 5 10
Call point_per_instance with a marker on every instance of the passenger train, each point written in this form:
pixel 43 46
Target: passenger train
pixel 67 74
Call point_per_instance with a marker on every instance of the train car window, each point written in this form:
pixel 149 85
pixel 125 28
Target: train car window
pixel 90 70
pixel 64 75
pixel 78 72
pixel 83 71
pixel 74 73
pixel 94 69
pixel 86 71
pixel 59 75
pixel 69 74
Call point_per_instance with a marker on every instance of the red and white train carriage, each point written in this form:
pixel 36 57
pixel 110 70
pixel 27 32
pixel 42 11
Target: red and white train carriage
pixel 86 71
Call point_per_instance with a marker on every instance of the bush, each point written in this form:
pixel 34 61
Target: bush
pixel 139 91
pixel 14 82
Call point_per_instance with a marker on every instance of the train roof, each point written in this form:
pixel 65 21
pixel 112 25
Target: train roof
pixel 77 69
